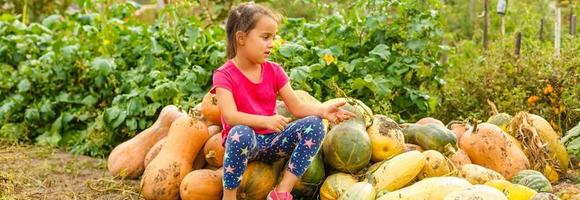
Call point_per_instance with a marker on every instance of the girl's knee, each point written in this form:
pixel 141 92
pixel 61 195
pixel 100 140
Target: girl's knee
pixel 313 126
pixel 241 134
pixel 313 120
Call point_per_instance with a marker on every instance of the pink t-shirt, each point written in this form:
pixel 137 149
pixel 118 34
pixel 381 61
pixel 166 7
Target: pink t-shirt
pixel 251 98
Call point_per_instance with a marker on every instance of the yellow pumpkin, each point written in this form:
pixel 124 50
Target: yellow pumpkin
pixel 435 165
pixel 336 185
pixel 479 192
pixel 519 192
pixel 387 139
pixel 476 174
pixel 501 185
pixel 551 174
pixel 359 191
pixel 544 145
pixel 434 188
pixel 398 171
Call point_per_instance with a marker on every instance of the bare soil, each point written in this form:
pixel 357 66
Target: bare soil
pixel 32 172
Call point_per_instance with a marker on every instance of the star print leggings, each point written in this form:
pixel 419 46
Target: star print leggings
pixel 301 140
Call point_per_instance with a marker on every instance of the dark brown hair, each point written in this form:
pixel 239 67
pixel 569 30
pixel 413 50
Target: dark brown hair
pixel 243 18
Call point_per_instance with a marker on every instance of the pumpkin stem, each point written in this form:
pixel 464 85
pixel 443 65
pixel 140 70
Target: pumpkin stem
pixel 450 149
pixel 475 124
pixel 213 100
pixel 195 114
pixel 210 154
pixel 454 170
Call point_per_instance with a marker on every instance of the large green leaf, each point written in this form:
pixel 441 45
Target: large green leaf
pixel 113 117
pixel 103 66
pixel 382 51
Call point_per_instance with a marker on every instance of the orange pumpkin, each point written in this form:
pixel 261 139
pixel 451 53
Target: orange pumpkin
pixel 154 151
pixel 210 110
pixel 214 129
pixel 460 158
pixel 199 161
pixel 162 177
pixel 208 166
pixel 487 145
pixel 459 129
pixel 430 120
pixel 214 151
pixel 128 158
pixel 203 184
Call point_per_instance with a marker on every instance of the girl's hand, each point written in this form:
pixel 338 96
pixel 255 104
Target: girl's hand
pixel 335 114
pixel 276 123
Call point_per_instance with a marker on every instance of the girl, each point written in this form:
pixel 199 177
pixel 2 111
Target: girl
pixel 246 87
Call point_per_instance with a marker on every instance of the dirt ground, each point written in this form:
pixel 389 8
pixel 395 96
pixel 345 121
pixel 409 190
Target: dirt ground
pixel 31 172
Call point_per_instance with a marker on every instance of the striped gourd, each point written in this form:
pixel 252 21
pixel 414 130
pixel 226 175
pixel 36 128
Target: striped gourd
pixel 533 179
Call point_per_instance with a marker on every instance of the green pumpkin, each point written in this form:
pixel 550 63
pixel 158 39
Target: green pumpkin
pixel 282 110
pixel 501 120
pixel 347 147
pixel 259 179
pixel 532 179
pixel 435 137
pixel 363 113
pixel 312 178
pixel 304 96
pixel 520 175
pixel 409 131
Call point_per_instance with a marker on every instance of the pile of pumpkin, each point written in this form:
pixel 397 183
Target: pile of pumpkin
pixel 367 157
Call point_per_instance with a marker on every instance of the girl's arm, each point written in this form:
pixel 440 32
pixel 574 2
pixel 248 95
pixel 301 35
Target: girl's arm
pixel 300 109
pixel 233 117
pixel 296 107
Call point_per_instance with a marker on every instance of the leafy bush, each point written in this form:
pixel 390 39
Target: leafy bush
pixel 536 81
pixel 388 58
pixel 88 81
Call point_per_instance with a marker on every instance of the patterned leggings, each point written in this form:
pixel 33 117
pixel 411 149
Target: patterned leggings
pixel 301 139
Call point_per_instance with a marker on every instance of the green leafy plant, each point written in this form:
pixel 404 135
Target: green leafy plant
pixel 90 79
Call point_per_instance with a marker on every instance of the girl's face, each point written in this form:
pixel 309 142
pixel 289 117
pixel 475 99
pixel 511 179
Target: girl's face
pixel 258 43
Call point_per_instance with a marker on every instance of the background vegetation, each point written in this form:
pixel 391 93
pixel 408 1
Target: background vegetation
pixel 87 75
